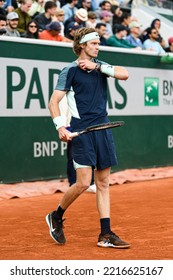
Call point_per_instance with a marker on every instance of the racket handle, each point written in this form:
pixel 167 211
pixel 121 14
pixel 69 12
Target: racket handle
pixel 73 134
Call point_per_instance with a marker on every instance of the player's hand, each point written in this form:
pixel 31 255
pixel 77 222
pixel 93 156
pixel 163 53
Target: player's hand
pixel 64 134
pixel 86 64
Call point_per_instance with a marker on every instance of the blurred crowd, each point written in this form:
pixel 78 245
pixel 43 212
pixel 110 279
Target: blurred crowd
pixel 58 20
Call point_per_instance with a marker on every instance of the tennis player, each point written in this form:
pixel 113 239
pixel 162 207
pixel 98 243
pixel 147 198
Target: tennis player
pixel 84 82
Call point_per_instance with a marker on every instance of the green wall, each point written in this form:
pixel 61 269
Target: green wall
pixel 29 145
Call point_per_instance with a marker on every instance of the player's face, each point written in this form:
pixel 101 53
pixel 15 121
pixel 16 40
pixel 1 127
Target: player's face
pixel 91 48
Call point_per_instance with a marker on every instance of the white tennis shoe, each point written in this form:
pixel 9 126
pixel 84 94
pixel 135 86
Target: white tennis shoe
pixel 92 188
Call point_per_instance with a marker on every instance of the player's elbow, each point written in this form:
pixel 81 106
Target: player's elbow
pixel 125 74
pixel 121 73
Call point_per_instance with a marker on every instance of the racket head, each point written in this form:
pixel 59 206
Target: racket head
pixel 105 126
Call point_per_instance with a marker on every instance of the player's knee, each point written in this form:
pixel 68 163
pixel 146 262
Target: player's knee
pixel 103 185
pixel 83 186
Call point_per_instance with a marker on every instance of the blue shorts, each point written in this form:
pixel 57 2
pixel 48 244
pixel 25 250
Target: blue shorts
pixel 95 149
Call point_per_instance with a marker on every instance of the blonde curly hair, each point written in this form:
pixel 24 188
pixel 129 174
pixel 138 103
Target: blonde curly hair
pixel 78 35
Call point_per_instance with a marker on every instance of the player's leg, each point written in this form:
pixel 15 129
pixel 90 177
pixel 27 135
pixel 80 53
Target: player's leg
pixel 55 219
pixel 102 195
pixel 82 183
pixel 106 238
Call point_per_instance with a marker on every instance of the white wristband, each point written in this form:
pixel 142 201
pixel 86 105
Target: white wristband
pixel 58 122
pixel 107 69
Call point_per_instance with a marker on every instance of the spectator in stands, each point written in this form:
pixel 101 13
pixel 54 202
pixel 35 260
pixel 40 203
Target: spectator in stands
pixel 156 23
pixel 3 24
pixel 85 4
pixel 106 5
pixel 170 48
pixel 3 21
pixel 91 22
pixel 24 18
pixel 81 16
pixel 52 32
pixel 117 13
pixel 36 8
pixel 71 29
pixel 101 29
pixel 120 31
pixel 2 9
pixel 11 28
pixel 151 43
pixel 103 6
pixel 144 35
pixel 32 30
pixel 125 19
pixel 46 17
pixel 59 16
pixel 106 17
pixel 7 6
pixel 14 4
pixel 70 9
pixel 133 37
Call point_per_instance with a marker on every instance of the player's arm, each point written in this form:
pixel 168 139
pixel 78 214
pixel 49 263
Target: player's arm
pixel 56 114
pixel 117 72
pixel 120 73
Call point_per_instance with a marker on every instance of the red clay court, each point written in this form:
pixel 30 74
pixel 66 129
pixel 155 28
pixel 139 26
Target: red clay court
pixel 141 215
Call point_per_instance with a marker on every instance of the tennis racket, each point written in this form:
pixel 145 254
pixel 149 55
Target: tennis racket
pixel 97 127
